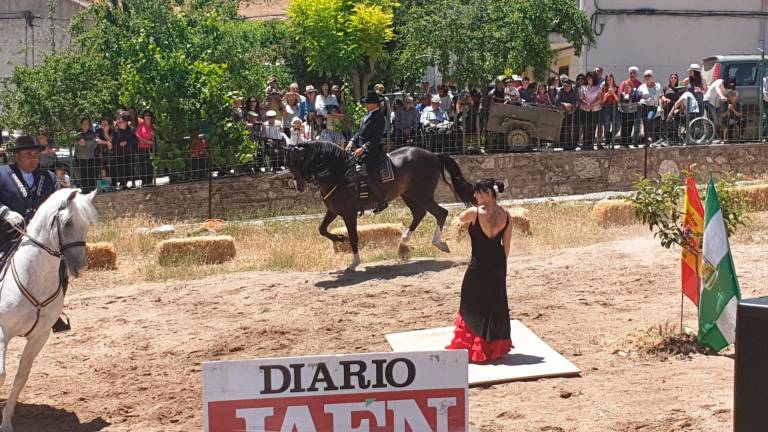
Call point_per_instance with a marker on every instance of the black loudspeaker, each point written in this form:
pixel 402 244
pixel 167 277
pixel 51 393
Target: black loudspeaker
pixel 750 395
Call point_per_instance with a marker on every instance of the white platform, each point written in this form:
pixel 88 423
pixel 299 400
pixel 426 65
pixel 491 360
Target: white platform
pixel 531 358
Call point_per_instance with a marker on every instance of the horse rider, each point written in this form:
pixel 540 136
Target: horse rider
pixel 24 186
pixel 366 143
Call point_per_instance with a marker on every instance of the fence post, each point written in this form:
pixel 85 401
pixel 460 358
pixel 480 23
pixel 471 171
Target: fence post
pixel 210 180
pixel 760 102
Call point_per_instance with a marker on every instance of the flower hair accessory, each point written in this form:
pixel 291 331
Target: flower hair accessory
pixel 496 188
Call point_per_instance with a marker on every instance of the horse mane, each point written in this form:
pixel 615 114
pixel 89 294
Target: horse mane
pixel 81 211
pixel 327 161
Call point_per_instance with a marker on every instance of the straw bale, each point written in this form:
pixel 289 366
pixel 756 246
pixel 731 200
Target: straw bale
pixel 756 196
pixel 198 250
pixel 518 219
pixel 101 256
pixel 375 235
pixel 614 213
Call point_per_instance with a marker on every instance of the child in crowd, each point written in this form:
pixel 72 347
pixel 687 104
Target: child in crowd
pixel 62 179
pixel 104 183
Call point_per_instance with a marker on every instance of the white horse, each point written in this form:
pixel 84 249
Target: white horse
pixel 31 290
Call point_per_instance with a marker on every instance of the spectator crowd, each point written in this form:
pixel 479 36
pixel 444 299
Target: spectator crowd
pixel 599 110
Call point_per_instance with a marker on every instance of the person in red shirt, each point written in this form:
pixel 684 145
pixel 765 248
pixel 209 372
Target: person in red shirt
pixel 145 133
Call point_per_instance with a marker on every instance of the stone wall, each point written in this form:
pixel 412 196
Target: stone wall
pixel 526 176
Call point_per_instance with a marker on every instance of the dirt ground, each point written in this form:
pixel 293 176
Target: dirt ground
pixel 132 361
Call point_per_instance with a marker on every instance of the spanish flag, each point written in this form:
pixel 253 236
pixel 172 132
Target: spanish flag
pixel 693 225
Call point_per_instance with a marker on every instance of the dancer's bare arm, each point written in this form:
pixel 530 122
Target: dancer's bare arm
pixel 507 238
pixel 469 215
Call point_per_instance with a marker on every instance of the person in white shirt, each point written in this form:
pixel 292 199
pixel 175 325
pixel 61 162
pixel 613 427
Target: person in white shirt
pixel 298 132
pixel 714 98
pixel 650 98
pixel 433 116
pixel 686 103
pixel 325 98
pixel 272 136
pixel 511 95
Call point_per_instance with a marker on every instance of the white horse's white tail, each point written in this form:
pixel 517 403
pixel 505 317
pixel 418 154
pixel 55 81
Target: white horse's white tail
pixel 31 297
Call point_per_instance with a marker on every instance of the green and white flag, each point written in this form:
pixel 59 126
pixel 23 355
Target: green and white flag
pixel 720 292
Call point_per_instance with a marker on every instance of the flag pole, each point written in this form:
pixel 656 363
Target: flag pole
pixel 682 302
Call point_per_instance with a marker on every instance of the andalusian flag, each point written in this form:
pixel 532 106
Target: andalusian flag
pixel 694 227
pixel 720 289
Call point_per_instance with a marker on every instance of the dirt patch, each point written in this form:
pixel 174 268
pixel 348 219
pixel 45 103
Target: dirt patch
pixel 133 360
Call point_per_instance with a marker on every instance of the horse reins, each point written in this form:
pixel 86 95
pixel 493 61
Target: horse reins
pixel 326 196
pixel 63 275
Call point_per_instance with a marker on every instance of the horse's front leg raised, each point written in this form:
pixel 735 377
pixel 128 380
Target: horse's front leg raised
pixel 31 350
pixel 329 217
pixel 350 221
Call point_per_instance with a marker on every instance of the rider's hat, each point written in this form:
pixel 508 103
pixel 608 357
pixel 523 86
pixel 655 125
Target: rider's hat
pixel 25 142
pixel 372 98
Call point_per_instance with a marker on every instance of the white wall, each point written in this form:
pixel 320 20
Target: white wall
pixel 668 43
pixel 16 38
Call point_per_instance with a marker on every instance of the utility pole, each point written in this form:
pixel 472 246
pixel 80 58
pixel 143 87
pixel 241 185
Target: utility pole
pixel 761 121
pixel 52 24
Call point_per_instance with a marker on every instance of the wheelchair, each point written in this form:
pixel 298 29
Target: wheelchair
pixel 699 130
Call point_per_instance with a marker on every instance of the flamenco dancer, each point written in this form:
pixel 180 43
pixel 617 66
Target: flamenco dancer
pixel 482 324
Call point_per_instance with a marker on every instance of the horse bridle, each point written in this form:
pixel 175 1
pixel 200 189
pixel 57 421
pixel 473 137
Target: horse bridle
pixel 63 275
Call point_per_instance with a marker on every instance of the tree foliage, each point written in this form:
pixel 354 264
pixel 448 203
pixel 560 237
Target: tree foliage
pixel 477 39
pixel 659 204
pixel 181 59
pixel 343 38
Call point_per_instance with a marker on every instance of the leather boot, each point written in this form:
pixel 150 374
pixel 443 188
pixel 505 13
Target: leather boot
pixel 377 193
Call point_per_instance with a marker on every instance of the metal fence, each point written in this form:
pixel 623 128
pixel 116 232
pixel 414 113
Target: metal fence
pixel 501 129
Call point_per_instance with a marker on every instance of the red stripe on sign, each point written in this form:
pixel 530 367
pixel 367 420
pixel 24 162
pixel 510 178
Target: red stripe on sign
pixel 441 410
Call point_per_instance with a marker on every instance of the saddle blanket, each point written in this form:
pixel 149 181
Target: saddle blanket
pixel 386 171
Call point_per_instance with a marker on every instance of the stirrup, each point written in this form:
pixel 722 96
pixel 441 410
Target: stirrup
pixel 62 326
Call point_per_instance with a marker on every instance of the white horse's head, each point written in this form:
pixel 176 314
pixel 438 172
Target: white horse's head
pixel 63 219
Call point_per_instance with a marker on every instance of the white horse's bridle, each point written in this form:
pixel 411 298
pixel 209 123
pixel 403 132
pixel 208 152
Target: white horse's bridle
pixel 63 275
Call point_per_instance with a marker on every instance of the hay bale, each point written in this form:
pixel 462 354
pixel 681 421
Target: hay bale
pixel 101 256
pixel 756 196
pixel 614 213
pixel 518 219
pixel 376 235
pixel 196 250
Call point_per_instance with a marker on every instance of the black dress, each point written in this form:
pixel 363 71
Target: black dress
pixel 482 325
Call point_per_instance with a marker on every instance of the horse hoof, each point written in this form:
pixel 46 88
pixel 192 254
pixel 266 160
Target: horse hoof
pixel 442 246
pixel 403 251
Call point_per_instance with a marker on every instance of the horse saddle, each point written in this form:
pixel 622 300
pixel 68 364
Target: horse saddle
pixel 358 179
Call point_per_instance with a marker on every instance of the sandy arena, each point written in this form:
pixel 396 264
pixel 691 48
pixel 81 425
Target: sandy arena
pixel 132 362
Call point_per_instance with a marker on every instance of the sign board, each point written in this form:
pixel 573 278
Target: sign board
pixel 413 391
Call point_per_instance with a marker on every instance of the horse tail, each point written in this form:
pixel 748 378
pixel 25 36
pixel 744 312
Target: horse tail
pixel 458 184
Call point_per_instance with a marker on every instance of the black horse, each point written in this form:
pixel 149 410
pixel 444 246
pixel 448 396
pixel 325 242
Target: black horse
pixel 417 172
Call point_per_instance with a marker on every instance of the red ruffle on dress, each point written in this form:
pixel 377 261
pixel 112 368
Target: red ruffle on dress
pixel 480 350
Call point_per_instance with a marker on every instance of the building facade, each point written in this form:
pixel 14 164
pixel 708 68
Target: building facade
pixel 25 30
pixel 663 35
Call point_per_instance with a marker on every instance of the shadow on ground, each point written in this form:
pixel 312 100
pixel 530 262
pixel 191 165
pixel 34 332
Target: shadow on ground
pixel 45 418
pixel 384 272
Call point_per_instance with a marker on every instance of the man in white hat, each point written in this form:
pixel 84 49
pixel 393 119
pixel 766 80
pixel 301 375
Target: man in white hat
pixel 433 115
pixel 511 94
pixel 272 136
